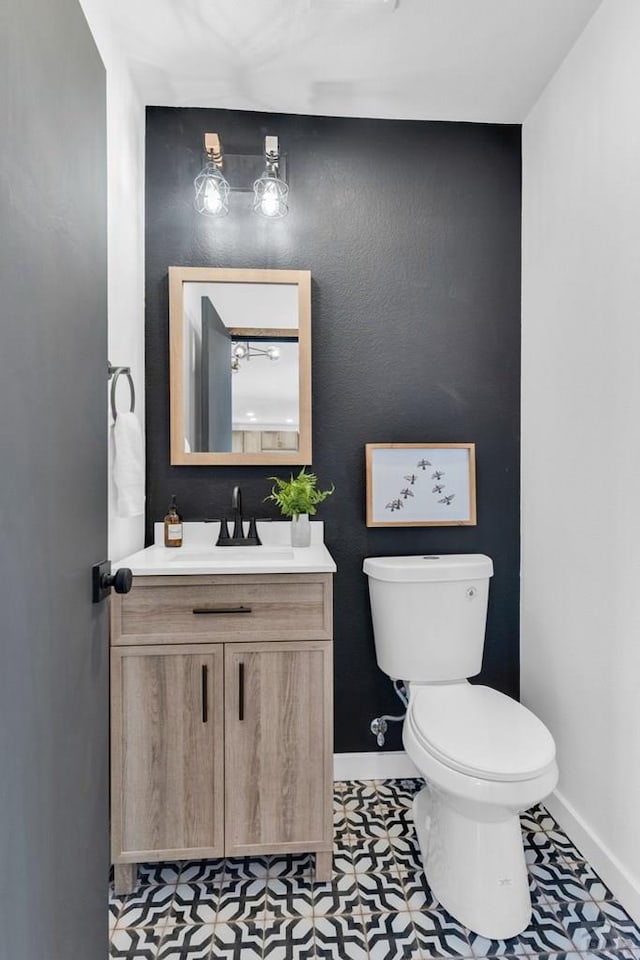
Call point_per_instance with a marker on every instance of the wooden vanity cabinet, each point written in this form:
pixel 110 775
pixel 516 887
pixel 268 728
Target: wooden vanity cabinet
pixel 222 734
pixel 168 750
pixel 278 708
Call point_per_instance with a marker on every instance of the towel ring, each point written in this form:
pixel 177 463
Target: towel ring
pixel 114 372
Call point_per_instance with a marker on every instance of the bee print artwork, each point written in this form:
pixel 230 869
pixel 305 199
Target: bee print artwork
pixel 415 485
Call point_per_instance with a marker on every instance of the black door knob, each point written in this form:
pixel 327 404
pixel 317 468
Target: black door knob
pixel 103 580
pixel 121 580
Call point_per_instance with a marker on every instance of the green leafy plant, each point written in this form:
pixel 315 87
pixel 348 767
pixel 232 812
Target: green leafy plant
pixel 299 494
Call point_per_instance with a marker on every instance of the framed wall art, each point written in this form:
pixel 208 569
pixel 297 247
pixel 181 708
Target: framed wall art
pixel 421 484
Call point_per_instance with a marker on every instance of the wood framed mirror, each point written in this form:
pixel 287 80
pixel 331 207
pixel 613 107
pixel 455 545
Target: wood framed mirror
pixel 240 366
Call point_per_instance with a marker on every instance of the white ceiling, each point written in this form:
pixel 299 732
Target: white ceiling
pixel 478 60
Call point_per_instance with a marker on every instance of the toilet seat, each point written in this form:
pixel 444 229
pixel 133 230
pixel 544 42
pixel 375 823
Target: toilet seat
pixel 480 732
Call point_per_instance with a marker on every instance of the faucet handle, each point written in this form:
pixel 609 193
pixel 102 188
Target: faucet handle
pixel 253 533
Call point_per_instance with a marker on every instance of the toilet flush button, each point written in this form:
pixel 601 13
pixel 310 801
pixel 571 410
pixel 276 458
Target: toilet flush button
pixel 471 592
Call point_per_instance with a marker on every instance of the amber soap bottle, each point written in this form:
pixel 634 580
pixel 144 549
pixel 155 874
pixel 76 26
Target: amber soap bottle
pixel 173 526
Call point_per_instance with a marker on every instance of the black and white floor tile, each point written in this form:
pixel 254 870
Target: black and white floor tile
pixel 378 906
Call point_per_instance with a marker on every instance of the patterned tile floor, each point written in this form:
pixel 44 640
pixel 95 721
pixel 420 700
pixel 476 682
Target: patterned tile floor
pixel 377 907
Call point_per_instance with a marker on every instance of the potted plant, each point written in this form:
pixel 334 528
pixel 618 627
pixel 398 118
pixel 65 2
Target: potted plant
pixel 298 498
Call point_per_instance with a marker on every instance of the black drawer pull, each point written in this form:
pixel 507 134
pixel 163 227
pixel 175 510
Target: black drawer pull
pixel 205 693
pixel 240 609
pixel 241 691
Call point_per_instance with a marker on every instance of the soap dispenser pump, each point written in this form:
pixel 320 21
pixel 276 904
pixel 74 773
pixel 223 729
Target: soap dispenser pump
pixel 173 526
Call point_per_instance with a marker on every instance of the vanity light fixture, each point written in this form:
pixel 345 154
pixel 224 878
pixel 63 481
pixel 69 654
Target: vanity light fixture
pixel 248 351
pixel 270 192
pixel 211 186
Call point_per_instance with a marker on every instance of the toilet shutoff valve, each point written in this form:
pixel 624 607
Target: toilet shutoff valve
pixel 378 729
pixel 379 725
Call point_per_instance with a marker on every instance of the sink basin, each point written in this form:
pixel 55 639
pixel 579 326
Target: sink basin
pixel 225 555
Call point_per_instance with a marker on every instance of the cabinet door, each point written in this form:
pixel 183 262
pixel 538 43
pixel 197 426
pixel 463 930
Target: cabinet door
pixel 167 752
pixel 278 747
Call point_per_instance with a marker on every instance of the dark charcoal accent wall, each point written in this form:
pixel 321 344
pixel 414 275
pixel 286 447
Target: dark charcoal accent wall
pixel 411 231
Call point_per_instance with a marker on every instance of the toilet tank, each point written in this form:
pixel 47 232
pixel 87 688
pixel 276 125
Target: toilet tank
pixel 429 614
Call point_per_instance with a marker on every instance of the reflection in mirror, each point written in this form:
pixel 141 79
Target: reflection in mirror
pixel 241 368
pixel 241 355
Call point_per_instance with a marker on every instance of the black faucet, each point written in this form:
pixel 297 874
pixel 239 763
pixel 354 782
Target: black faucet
pixel 238 538
pixel 236 506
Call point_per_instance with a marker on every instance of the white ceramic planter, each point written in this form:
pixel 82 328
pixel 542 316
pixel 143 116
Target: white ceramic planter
pixel 300 531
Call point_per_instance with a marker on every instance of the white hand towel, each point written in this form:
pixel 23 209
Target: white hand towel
pixel 128 465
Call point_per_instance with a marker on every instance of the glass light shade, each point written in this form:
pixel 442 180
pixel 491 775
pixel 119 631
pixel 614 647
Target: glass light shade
pixel 270 196
pixel 212 191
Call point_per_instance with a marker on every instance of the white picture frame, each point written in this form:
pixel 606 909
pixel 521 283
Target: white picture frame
pixel 421 484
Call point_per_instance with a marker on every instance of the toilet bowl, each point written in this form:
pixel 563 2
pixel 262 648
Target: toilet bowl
pixel 484 757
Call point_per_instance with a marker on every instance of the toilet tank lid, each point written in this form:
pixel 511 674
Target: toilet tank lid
pixel 428 567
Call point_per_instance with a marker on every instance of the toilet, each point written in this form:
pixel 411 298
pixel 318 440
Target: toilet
pixel 484 757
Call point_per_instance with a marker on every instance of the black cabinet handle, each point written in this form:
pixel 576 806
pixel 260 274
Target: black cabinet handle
pixel 240 609
pixel 205 693
pixel 241 691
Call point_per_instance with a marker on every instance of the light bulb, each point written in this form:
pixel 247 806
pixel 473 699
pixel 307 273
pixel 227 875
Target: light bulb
pixel 212 191
pixel 240 351
pixel 270 203
pixel 273 353
pixel 212 198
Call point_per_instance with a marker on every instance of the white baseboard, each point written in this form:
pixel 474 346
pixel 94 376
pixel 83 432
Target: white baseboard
pixel 391 764
pixel 615 875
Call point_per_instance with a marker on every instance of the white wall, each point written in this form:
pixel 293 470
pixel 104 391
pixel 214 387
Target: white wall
pixel 125 146
pixel 581 436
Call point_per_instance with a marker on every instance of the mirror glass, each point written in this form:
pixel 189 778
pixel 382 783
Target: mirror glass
pixel 240 378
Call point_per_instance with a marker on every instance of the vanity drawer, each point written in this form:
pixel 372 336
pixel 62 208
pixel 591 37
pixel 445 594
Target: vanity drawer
pixel 192 609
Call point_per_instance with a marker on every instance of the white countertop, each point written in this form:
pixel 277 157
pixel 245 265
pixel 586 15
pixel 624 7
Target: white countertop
pixel 199 555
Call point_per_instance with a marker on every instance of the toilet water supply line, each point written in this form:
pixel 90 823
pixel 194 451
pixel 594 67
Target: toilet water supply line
pixel 378 725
